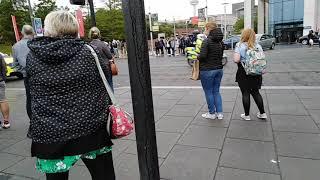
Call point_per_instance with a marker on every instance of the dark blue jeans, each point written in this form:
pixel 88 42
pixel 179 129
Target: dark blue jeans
pixel 211 81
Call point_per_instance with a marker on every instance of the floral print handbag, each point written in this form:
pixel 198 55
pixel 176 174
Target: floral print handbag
pixel 119 123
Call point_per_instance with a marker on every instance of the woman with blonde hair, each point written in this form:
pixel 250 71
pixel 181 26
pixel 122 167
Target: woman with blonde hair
pixel 68 102
pixel 104 51
pixel 249 84
pixel 211 70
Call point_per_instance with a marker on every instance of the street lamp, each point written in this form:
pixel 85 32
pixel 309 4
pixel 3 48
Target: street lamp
pixel 225 19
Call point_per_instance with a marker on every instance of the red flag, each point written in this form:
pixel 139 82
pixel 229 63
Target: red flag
pixel 15 28
pixel 80 22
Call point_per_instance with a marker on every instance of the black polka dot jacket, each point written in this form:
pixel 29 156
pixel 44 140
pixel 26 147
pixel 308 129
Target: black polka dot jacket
pixel 66 98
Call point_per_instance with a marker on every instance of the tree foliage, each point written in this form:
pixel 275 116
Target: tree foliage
pixel 16 8
pixel 44 7
pixel 113 4
pixel 239 25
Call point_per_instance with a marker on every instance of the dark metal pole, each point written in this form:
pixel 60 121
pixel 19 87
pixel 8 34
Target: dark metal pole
pixel 92 14
pixel 139 70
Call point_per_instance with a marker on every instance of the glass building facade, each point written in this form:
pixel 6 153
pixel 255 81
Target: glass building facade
pixel 286 19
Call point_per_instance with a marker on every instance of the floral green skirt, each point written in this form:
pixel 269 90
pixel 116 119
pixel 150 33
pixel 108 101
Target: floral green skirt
pixel 63 165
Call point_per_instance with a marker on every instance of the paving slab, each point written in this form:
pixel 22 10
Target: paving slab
pixel 200 121
pixel 173 124
pixel 184 110
pixel 193 100
pixel 307 94
pixel 165 142
pixel 294 124
pixel 237 174
pixel 22 148
pixel 278 104
pixel 298 144
pixel 299 169
pixel 119 146
pixel 249 155
pixel 7 160
pixel 25 168
pixel 190 163
pixel 315 114
pixel 12 177
pixel 251 130
pixel 203 136
pixel 311 103
pixel 173 95
pixel 79 173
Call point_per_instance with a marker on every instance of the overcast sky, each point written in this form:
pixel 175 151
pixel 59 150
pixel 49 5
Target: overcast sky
pixel 169 9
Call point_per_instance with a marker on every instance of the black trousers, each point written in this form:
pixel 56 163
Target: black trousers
pixel 246 92
pixel 100 168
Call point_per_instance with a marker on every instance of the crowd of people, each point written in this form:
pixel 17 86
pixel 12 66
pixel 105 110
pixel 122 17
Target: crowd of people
pixel 68 105
pixel 173 46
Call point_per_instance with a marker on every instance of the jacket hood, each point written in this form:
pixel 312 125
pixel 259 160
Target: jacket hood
pixel 216 35
pixel 55 50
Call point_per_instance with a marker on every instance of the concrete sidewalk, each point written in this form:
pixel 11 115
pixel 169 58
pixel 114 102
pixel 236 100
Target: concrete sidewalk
pixel 285 147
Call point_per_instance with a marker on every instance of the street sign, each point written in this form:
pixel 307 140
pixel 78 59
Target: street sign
pixel 154 17
pixel 38 26
pixel 195 20
pixel 202 14
pixel 155 28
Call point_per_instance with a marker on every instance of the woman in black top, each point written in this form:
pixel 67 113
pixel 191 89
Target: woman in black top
pixel 211 70
pixel 68 102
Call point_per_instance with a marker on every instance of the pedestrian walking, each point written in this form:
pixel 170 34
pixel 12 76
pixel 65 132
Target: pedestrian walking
pixel 173 46
pixel 104 51
pixel 248 84
pixel 211 70
pixel 168 47
pixel 162 46
pixel 157 46
pixel 69 102
pixel 4 105
pixel 20 51
pixel 310 38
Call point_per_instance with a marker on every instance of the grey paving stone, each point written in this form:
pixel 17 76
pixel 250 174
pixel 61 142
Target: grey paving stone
pixel 127 168
pixel 190 163
pixel 229 96
pixel 165 142
pixel 311 103
pixel 252 130
pixel 79 173
pixel 315 114
pixel 120 146
pixel 298 144
pixel 193 100
pixel 279 91
pixel 199 120
pixel 7 160
pixel 203 136
pixel 22 148
pixel 184 110
pixel 294 123
pixel 237 174
pixel 173 124
pixel 25 168
pixel 299 169
pixel 164 104
pixel 249 155
pixel 227 107
pixel 173 95
pixel 5 143
pixel 308 94
pixel 159 114
pixel 12 177
pixel 288 105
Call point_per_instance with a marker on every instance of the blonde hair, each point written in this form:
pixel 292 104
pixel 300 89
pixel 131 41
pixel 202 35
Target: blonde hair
pixel 94 33
pixel 248 36
pixel 60 24
pixel 211 26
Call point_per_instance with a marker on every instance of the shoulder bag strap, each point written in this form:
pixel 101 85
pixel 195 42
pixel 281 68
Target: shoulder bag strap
pixel 103 77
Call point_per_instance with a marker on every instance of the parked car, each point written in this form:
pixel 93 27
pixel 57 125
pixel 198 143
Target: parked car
pixel 231 42
pixel 266 41
pixel 304 40
pixel 12 69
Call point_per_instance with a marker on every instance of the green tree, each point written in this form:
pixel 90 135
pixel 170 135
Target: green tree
pixel 239 25
pixel 16 8
pixel 111 23
pixel 44 7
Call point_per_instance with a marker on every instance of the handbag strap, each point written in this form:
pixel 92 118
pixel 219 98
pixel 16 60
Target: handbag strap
pixel 103 77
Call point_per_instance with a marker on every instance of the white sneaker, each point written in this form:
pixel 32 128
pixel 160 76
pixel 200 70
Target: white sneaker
pixel 247 118
pixel 220 116
pixel 209 116
pixel 262 116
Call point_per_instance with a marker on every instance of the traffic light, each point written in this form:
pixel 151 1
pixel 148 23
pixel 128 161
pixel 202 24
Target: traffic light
pixel 78 2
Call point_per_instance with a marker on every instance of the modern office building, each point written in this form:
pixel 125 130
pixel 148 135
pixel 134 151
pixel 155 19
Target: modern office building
pixel 285 19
